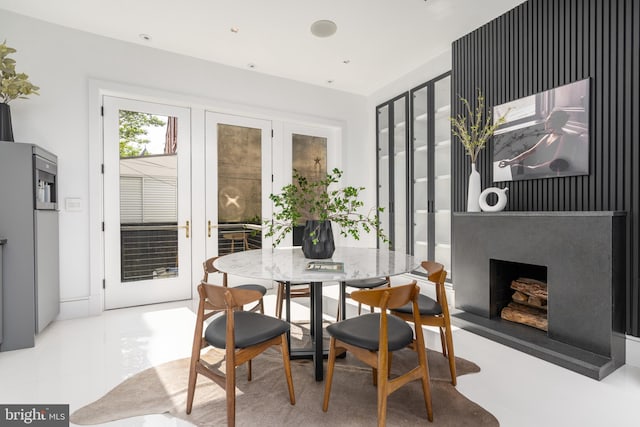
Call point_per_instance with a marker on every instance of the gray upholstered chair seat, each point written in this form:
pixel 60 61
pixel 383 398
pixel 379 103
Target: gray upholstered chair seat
pixel 427 306
pixel 250 329
pixel 364 331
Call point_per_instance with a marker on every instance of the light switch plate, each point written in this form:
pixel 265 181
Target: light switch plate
pixel 73 204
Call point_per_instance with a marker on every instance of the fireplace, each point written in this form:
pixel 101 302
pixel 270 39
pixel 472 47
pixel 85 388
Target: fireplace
pixel 579 255
pixel 519 293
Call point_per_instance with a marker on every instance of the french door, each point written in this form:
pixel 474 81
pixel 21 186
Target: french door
pixel 238 182
pixel 147 202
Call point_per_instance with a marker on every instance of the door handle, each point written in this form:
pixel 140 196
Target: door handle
pixel 186 227
pixel 209 227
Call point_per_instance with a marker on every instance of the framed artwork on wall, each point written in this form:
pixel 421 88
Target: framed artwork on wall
pixel 546 135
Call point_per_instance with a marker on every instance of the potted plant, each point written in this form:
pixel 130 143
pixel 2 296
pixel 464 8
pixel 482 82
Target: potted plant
pixel 473 137
pixel 320 205
pixel 13 85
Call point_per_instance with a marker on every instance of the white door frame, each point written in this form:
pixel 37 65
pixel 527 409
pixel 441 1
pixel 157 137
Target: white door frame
pixel 123 294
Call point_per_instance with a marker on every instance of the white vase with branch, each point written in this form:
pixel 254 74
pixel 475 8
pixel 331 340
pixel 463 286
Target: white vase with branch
pixel 474 130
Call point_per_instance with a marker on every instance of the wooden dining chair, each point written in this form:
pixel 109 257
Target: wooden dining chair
pixel 296 290
pixel 243 334
pixel 209 268
pixel 434 312
pixel 373 337
pixel 360 284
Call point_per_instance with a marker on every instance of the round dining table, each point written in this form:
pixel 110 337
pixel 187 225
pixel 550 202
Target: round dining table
pixel 290 265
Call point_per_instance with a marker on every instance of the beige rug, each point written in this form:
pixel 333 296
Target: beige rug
pixel 264 400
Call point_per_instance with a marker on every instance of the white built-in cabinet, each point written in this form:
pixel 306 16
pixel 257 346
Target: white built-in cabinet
pixel 414 170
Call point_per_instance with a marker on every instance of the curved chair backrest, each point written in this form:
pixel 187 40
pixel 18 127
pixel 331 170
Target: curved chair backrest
pixel 391 297
pixel 223 298
pixel 209 268
pixel 438 275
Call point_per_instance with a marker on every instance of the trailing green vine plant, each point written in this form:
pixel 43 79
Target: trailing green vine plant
pixel 305 199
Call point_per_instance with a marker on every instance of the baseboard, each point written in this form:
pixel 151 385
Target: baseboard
pixel 633 351
pixel 73 309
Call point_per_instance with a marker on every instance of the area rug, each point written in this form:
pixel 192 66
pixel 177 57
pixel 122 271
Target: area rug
pixel 264 400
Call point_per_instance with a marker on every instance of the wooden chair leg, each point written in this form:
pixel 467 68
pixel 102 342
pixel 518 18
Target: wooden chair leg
pixel 443 344
pixel 426 389
pixel 287 368
pixel 191 389
pixel 249 370
pixel 330 366
pixel 383 378
pixel 230 388
pixel 451 355
pixel 279 298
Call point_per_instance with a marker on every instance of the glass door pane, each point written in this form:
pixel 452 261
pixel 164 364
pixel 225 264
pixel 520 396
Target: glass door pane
pixel 238 180
pixel 309 159
pixel 442 171
pixel 239 188
pixel 383 169
pixel 400 200
pixel 420 161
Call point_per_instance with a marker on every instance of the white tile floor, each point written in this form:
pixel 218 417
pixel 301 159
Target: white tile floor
pixel 77 361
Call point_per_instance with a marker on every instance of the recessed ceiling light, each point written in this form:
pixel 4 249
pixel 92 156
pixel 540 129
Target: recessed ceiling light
pixel 235 29
pixel 145 37
pixel 329 81
pixel 251 65
pixel 346 61
pixel 323 28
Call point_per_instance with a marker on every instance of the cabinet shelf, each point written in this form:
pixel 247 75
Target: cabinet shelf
pixel 444 110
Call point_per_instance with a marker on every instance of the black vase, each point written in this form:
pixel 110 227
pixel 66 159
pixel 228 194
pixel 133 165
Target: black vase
pixel 6 133
pixel 325 247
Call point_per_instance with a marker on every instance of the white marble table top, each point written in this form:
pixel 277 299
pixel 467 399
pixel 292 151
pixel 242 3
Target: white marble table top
pixel 289 264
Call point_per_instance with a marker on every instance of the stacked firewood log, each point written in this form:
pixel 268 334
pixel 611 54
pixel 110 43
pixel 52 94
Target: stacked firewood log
pixel 529 303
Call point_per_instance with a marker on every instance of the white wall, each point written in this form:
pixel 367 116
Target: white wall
pixel 65 63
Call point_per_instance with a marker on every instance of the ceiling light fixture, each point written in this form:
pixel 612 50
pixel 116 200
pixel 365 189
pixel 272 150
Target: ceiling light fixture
pixel 329 81
pixel 346 61
pixel 145 37
pixel 251 65
pixel 234 29
pixel 323 28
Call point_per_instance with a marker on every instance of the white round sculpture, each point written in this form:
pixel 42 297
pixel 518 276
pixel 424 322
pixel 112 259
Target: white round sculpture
pixel 500 204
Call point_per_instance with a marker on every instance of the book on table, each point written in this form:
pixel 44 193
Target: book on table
pixel 329 266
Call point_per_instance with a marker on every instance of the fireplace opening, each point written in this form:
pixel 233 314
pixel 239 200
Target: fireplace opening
pixel 518 293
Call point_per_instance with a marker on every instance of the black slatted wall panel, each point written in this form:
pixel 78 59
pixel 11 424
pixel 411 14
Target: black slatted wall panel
pixel 542 44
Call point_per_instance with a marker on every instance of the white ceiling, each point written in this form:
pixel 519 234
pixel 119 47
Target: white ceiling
pixel 381 39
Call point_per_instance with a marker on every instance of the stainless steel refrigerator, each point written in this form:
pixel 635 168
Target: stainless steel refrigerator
pixel 29 222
